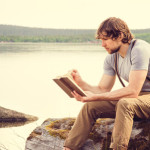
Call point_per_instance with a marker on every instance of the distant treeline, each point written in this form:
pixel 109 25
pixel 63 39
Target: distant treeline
pixel 55 38
pixel 9 33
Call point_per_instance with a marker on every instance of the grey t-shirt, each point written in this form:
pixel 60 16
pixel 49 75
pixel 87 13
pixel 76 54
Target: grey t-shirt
pixel 136 59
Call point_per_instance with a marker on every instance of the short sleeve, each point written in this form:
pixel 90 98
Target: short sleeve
pixel 109 65
pixel 140 56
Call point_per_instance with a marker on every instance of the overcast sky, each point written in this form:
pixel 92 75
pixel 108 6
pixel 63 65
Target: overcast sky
pixel 74 14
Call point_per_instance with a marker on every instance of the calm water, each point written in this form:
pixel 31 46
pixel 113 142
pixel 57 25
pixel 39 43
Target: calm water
pixel 26 73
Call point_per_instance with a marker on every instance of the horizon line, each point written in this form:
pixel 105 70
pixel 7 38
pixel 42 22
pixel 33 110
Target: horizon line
pixel 61 28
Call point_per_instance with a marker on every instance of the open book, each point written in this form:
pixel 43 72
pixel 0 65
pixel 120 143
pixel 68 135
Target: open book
pixel 67 84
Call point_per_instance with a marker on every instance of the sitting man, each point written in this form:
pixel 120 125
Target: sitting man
pixel 123 104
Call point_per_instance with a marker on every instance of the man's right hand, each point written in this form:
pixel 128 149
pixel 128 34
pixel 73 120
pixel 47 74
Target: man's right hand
pixel 76 76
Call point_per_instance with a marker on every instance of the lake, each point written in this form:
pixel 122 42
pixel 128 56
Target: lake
pixel 26 85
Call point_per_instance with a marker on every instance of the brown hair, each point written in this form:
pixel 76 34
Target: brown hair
pixel 112 28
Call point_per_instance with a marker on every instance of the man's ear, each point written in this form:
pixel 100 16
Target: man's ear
pixel 121 36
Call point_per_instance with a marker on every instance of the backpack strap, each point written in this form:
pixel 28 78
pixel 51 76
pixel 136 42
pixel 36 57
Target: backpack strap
pixel 116 69
pixel 148 78
pixel 116 64
pixel 131 50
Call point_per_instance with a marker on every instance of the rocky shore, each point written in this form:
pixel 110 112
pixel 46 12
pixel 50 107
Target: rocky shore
pixel 9 118
pixel 52 133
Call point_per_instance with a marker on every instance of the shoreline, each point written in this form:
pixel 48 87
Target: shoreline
pixel 10 118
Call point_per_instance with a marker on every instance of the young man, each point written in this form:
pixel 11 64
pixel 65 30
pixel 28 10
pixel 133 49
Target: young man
pixel 123 104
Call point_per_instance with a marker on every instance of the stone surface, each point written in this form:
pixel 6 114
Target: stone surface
pixel 52 133
pixel 9 118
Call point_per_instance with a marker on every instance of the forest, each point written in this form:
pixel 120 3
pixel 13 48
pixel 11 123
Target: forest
pixel 11 33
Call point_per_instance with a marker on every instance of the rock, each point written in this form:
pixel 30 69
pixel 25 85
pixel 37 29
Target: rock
pixel 9 118
pixel 52 133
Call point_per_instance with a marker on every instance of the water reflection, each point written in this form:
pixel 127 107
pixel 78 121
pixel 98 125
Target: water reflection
pixel 13 124
pixel 57 47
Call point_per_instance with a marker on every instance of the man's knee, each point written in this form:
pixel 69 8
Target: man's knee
pixel 89 107
pixel 125 104
pixel 90 110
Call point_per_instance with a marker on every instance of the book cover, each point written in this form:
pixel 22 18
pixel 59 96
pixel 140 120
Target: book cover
pixel 67 84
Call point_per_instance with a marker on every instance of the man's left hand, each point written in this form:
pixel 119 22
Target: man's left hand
pixel 88 98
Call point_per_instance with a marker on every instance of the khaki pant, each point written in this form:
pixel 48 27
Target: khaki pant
pixel 123 111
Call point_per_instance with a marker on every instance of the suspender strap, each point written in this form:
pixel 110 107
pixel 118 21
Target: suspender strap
pixel 116 64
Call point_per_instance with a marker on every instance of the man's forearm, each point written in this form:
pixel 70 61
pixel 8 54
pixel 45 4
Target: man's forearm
pixel 94 89
pixel 117 94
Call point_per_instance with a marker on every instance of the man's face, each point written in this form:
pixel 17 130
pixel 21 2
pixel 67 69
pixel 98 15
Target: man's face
pixel 111 46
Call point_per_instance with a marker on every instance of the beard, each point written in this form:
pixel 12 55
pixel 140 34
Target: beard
pixel 112 51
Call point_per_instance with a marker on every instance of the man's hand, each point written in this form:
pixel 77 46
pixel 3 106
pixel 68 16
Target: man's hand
pixel 76 76
pixel 90 96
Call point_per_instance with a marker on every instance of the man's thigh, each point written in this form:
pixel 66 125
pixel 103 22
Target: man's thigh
pixel 139 106
pixel 104 109
pixel 144 104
